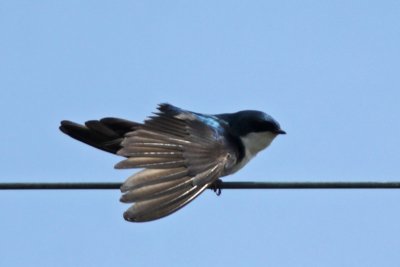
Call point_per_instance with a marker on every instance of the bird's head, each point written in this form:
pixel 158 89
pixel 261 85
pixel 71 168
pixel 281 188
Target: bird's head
pixel 253 121
pixel 255 128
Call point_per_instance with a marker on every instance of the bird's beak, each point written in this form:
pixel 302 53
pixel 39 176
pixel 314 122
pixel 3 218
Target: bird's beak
pixel 281 132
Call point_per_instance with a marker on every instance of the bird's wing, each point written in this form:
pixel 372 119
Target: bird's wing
pixel 181 153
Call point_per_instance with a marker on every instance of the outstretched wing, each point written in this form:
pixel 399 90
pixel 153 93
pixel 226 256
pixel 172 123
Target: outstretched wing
pixel 182 153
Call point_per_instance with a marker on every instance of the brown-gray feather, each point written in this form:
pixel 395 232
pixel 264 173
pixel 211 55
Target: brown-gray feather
pixel 181 157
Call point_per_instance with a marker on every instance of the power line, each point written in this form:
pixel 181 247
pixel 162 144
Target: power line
pixel 220 185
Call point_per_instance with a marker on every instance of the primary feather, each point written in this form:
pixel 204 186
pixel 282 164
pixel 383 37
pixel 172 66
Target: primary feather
pixel 182 153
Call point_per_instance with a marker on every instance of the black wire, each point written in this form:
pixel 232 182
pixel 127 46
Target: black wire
pixel 219 185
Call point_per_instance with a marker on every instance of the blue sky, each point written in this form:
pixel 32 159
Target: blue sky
pixel 328 71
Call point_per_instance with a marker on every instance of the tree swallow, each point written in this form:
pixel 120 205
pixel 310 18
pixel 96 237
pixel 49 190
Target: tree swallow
pixel 181 153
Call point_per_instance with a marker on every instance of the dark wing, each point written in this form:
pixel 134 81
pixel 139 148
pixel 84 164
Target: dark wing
pixel 105 134
pixel 181 155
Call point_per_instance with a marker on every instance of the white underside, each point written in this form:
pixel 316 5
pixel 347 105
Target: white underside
pixel 254 143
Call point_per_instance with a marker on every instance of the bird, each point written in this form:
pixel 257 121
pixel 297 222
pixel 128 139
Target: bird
pixel 180 153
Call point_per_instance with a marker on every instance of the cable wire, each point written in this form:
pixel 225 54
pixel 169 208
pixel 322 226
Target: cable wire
pixel 219 185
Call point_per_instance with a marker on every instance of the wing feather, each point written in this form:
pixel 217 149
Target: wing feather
pixel 182 155
pixel 150 162
pixel 157 208
pixel 152 176
pixel 156 190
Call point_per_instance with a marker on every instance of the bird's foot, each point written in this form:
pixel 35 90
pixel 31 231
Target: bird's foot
pixel 216 187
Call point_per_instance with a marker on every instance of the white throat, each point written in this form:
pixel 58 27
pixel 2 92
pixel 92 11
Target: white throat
pixel 254 143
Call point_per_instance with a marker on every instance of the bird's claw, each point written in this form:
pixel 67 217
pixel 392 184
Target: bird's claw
pixel 216 187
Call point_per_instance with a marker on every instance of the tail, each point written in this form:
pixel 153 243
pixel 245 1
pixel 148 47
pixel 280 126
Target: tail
pixel 105 134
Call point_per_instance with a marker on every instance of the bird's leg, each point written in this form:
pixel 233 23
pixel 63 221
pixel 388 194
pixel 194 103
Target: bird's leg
pixel 216 187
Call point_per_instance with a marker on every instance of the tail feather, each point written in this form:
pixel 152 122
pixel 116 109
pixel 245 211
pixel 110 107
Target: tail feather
pixel 105 134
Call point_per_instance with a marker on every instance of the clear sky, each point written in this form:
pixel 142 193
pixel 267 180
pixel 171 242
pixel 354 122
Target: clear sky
pixel 328 71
